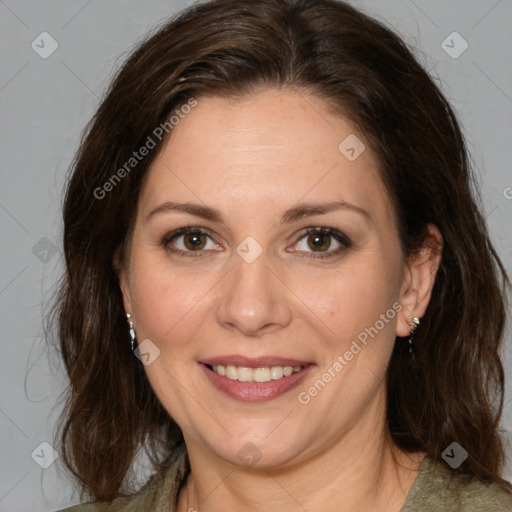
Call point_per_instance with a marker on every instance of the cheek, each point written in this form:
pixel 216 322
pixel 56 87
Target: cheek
pixel 352 299
pixel 169 309
pixel 164 299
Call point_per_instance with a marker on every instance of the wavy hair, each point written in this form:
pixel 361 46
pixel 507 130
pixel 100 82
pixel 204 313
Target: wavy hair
pixel 452 391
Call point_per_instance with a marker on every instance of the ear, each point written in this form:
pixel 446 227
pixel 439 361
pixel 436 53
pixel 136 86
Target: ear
pixel 121 269
pixel 418 280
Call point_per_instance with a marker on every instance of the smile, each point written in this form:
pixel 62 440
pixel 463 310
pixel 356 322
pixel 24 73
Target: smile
pixel 263 374
pixel 257 379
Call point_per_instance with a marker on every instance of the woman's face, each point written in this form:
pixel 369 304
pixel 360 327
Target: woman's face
pixel 291 263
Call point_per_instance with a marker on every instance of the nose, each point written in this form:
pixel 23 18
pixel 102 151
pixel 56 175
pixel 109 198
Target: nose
pixel 253 301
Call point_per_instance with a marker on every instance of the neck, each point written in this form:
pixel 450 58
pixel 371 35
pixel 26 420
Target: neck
pixel 361 471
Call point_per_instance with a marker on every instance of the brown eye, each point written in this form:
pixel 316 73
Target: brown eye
pixel 319 242
pixel 190 241
pixel 322 242
pixel 194 241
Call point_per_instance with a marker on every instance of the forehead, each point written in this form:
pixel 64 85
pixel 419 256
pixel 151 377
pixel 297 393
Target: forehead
pixel 273 147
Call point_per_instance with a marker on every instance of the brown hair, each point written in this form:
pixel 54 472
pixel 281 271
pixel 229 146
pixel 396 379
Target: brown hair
pixel 453 389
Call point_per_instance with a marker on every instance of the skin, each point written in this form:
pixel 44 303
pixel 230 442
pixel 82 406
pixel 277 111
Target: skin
pixel 252 159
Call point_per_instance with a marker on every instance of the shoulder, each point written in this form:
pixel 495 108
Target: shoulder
pixel 128 504
pixel 156 495
pixel 90 507
pixel 437 488
pixel 142 500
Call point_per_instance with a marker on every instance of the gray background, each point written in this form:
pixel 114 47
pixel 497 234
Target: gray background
pixel 45 104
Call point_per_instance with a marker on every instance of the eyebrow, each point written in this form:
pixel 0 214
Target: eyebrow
pixel 310 209
pixel 293 214
pixel 198 210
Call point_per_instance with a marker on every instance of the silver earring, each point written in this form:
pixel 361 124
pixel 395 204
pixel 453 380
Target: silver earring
pixel 414 324
pixel 132 332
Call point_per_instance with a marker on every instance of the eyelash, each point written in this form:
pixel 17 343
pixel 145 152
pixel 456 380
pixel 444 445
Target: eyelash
pixel 341 238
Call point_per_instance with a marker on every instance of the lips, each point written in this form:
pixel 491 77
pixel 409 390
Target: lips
pixel 255 379
pixel 260 374
pixel 254 362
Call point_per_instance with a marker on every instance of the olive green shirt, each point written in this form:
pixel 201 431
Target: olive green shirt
pixel 436 489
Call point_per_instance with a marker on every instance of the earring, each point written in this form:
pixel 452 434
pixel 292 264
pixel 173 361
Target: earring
pixel 414 324
pixel 132 332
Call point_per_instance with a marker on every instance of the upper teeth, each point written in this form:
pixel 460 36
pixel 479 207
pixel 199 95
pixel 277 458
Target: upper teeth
pixel 263 374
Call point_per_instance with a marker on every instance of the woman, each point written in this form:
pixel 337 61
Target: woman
pixel 279 282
